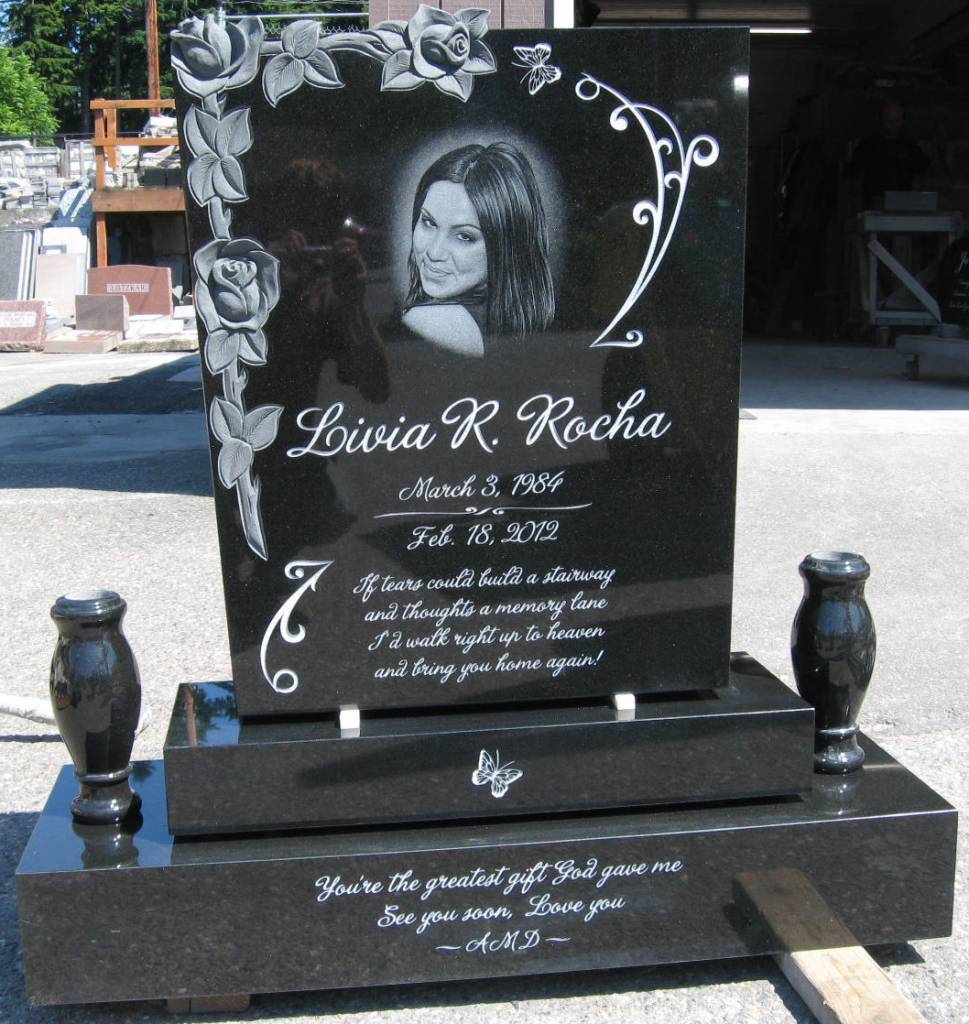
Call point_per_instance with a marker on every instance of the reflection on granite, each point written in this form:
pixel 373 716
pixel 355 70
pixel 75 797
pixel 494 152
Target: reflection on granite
pixel 110 845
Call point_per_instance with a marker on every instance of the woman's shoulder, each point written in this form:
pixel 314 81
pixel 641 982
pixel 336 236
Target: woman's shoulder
pixel 448 325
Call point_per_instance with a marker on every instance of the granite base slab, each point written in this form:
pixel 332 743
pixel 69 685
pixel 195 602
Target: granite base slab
pixel 752 738
pixel 133 914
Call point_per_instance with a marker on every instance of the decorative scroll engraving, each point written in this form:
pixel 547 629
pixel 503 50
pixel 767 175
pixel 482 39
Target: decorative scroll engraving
pixel 285 680
pixel 665 143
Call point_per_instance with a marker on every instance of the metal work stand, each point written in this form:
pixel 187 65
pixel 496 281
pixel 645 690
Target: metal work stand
pixel 885 311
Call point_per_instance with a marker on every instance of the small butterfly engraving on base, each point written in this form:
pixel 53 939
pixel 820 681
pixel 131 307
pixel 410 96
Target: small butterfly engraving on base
pixel 491 770
pixel 535 61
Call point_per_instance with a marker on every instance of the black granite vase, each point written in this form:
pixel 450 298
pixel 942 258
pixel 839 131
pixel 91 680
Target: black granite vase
pixel 96 693
pixel 833 651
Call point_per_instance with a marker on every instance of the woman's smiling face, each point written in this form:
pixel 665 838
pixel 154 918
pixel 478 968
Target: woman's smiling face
pixel 449 248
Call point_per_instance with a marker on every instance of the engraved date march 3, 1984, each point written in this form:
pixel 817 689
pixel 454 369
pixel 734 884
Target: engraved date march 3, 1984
pixel 429 488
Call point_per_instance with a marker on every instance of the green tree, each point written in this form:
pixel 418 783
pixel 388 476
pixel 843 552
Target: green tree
pixel 24 106
pixel 84 49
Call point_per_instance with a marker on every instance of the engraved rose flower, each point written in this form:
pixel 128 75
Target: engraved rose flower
pixel 209 57
pixel 237 287
pixel 439 47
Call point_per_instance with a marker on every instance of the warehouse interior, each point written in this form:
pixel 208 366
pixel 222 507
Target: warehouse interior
pixel 826 75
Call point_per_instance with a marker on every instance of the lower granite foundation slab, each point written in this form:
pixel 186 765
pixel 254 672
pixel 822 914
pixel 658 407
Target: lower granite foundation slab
pixel 132 914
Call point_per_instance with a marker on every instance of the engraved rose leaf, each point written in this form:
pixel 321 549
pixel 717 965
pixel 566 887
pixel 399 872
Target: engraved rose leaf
pixel 208 125
pixel 221 349
pixel 392 38
pixel 459 85
pixel 235 458
pixel 233 135
pixel 261 425
pixel 201 174
pixel 228 180
pixel 194 135
pixel 206 308
pixel 226 420
pixel 283 74
pixel 252 348
pixel 397 73
pixel 320 71
pixel 300 38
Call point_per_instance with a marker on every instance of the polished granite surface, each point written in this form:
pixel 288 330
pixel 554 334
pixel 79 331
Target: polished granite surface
pixel 410 904
pixel 752 738
pixel 406 522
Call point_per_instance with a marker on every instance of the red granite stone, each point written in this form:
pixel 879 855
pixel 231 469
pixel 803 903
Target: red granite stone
pixel 23 326
pixel 67 341
pixel 147 289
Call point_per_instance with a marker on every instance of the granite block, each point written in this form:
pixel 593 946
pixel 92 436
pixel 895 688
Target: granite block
pixel 147 289
pixel 753 738
pixel 122 914
pixel 18 254
pixel 23 326
pixel 102 313
pixel 516 485
pixel 68 341
pixel 60 277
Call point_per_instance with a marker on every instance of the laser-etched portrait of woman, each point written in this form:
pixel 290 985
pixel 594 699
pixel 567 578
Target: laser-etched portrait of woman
pixel 479 258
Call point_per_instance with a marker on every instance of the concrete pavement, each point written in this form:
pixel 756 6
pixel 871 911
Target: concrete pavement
pixel 104 480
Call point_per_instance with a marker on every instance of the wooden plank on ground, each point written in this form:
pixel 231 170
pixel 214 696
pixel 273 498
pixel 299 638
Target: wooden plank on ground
pixel 845 986
pixel 836 978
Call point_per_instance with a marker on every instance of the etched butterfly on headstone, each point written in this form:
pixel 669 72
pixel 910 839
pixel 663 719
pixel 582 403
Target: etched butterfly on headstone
pixel 538 71
pixel 491 770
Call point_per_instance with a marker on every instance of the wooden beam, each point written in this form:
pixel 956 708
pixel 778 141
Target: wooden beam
pixel 111 141
pixel 110 130
pixel 151 38
pixel 131 104
pixel 845 986
pixel 101 236
pixel 836 978
pixel 138 200
pixel 99 159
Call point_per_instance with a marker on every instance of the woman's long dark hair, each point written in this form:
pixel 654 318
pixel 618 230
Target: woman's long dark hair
pixel 502 189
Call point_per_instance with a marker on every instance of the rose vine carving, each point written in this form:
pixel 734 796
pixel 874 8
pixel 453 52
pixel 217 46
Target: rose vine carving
pixel 237 280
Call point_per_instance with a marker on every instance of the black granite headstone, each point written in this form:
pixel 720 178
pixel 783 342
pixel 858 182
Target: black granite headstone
pixel 472 449
pixel 470 309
